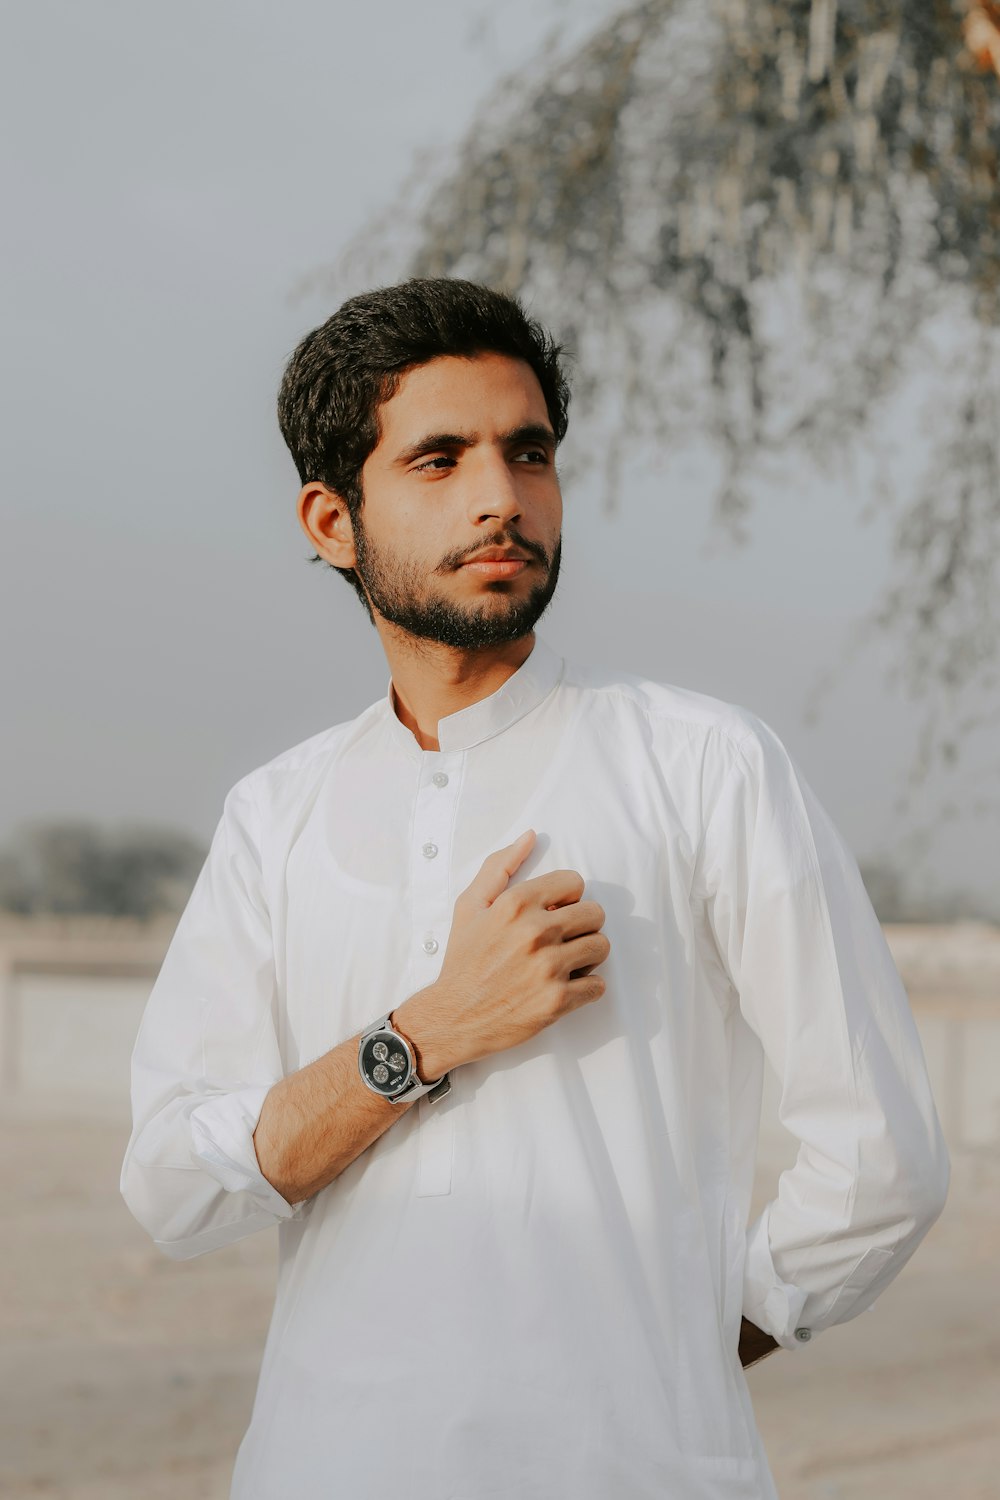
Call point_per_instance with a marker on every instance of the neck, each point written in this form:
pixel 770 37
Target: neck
pixel 431 681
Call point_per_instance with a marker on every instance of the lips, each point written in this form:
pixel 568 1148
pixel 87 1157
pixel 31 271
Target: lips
pixel 497 567
pixel 497 554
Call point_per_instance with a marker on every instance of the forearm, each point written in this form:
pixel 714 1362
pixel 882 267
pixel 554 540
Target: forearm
pixel 316 1121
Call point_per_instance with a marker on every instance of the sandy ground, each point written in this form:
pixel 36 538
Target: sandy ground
pixel 131 1377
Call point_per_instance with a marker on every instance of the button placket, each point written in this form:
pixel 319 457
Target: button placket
pixel 430 884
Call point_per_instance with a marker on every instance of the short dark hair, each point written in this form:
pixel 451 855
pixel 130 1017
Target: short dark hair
pixel 342 372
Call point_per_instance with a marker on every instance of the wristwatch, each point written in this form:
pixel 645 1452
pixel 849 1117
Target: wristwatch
pixel 388 1067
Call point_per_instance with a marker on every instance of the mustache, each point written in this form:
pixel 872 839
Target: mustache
pixel 512 540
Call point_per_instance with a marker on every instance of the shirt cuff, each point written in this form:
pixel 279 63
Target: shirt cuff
pixel 222 1142
pixel 774 1305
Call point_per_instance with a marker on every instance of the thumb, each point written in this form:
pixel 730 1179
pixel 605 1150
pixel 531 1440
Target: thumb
pixel 497 868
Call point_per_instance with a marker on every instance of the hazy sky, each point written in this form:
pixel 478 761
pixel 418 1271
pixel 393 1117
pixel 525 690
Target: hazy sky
pixel 170 174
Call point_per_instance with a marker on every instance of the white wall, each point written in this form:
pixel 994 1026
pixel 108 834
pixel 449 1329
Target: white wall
pixel 67 1043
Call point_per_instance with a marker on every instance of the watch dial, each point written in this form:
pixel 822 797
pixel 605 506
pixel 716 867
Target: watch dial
pixel 385 1064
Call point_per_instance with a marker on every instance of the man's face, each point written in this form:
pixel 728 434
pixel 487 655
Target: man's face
pixel 465 462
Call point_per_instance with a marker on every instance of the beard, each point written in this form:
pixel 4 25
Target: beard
pixel 400 593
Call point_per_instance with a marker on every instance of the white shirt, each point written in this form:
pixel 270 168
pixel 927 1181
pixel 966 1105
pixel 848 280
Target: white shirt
pixel 533 1287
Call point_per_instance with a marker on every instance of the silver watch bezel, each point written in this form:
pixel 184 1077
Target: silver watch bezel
pixel 411 1087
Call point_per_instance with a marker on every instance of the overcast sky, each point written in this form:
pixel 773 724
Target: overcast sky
pixel 171 173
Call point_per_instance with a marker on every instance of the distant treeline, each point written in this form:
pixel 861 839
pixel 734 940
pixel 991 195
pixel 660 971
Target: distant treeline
pixel 894 899
pixel 143 870
pixel 137 870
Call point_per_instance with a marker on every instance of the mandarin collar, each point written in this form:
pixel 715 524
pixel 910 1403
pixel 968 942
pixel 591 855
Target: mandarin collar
pixel 524 690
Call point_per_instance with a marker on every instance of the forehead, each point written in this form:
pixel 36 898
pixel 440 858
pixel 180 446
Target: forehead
pixel 481 392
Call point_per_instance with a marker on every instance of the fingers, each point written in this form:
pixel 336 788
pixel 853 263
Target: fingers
pixel 584 952
pixel 582 988
pixel 557 888
pixel 581 918
pixel 496 870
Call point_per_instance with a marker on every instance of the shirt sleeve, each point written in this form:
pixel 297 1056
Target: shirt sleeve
pixel 206 1056
pixel 816 983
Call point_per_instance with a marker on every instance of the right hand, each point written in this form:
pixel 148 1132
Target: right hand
pixel 517 959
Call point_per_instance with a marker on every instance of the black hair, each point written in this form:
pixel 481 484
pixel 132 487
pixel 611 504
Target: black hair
pixel 343 371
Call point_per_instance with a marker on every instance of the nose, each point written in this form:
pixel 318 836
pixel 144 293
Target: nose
pixel 495 496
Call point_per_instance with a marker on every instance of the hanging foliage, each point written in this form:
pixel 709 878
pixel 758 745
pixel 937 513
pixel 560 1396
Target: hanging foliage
pixel 757 222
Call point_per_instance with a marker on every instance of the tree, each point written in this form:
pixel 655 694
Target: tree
pixel 80 868
pixel 763 220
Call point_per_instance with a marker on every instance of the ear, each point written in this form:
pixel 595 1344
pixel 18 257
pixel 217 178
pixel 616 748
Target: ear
pixel 326 521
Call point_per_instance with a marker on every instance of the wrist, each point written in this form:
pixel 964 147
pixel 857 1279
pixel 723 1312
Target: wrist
pixel 425 1030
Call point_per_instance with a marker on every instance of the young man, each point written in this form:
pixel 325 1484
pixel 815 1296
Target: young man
pixel 566 913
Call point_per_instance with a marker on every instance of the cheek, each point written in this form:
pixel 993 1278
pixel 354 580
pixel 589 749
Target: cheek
pixel 412 534
pixel 553 522
pixel 541 503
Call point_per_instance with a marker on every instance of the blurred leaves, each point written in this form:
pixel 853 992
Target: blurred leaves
pixel 761 225
pixel 81 868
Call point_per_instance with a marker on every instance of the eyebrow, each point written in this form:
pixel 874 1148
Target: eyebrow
pixel 529 432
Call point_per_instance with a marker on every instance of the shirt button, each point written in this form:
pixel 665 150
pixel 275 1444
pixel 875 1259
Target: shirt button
pixel 803 1335
pixel 430 945
pixel 430 850
pixel 439 778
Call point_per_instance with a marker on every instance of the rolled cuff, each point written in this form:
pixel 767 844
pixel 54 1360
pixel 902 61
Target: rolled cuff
pixel 774 1305
pixel 222 1142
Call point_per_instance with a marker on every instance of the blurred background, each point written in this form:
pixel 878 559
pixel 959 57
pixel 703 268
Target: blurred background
pixel 769 237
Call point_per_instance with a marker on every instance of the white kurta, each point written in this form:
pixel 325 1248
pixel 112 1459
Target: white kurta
pixel 533 1287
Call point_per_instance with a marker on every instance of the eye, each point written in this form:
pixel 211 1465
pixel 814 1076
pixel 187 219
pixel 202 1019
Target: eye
pixel 440 458
pixel 538 453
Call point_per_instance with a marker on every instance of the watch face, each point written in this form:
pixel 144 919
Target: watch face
pixel 385 1063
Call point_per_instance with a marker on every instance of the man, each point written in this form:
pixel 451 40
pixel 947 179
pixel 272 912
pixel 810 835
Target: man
pixel 473 995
